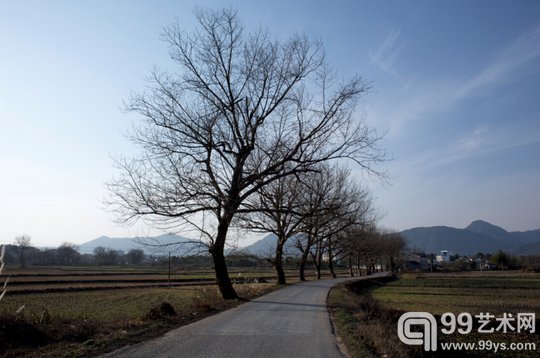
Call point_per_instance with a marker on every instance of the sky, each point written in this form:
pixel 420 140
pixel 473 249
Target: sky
pixel 455 91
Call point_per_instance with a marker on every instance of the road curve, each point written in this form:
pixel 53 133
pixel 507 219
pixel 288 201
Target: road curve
pixel 290 322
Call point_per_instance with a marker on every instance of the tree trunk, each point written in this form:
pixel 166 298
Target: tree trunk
pixel 318 263
pixel 220 267
pixel 279 264
pixel 317 259
pixel 302 268
pixel 222 275
pixel 318 269
pixel 331 267
pixel 22 258
pixel 351 272
pixel 331 261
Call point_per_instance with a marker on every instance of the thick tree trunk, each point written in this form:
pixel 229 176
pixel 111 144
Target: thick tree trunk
pixel 279 264
pixel 351 271
pixel 220 267
pixel 222 275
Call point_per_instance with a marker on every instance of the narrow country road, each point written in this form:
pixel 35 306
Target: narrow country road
pixel 290 322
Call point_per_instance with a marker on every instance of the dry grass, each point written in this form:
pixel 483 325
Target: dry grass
pixel 366 315
pixel 100 305
pixel 35 280
pixel 90 323
pixel 439 300
pixel 362 324
pixel 493 292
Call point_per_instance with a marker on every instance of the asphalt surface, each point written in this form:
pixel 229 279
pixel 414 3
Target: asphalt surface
pixel 290 322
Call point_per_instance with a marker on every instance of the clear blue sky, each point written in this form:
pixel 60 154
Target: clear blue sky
pixel 456 89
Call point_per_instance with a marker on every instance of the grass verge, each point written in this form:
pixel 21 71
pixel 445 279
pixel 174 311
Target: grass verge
pixel 365 313
pixel 362 325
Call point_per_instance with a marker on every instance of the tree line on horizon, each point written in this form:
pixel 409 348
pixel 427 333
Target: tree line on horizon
pixel 367 252
pixel 23 255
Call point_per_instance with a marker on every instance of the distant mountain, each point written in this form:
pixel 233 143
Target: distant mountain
pixel 526 237
pixel 485 228
pixel 479 236
pixel 527 249
pixel 263 247
pixel 462 241
pixel 266 247
pixel 158 245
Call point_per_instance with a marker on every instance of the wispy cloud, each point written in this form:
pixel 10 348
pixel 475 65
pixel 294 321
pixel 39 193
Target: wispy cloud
pixel 483 140
pixel 511 59
pixel 441 95
pixel 473 141
pixel 386 56
pixel 413 103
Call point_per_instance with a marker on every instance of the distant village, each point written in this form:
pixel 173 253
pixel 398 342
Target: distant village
pixel 447 260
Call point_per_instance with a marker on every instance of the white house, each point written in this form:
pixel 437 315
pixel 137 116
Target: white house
pixel 444 256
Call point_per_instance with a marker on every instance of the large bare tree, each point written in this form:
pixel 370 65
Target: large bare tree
pixel 240 111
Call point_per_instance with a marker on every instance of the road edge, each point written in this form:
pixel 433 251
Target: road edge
pixel 340 343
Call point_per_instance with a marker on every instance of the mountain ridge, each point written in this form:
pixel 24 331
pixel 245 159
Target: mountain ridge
pixel 266 247
pixel 151 245
pixel 478 236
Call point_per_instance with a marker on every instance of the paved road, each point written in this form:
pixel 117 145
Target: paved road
pixel 290 322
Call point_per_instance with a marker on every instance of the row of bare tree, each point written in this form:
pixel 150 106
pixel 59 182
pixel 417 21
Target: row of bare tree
pixel 314 209
pixel 241 115
pixel 329 218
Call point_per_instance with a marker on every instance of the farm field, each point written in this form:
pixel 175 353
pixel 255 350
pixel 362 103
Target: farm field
pixel 87 311
pixel 114 294
pixel 104 306
pixel 494 292
pixel 366 313
pixel 76 279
